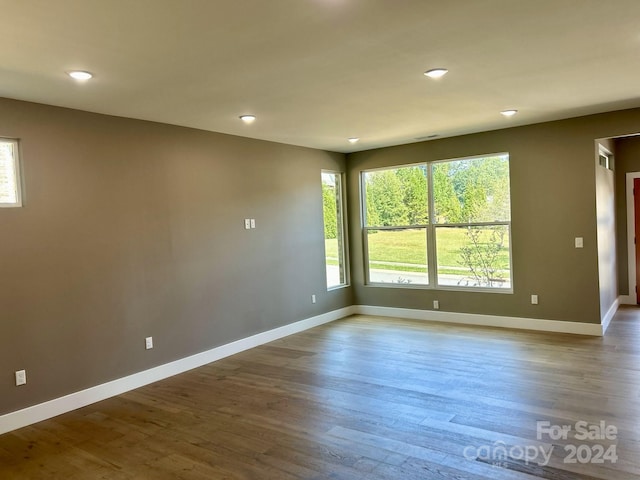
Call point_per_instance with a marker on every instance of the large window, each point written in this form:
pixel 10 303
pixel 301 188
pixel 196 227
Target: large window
pixel 9 174
pixel 333 202
pixel 396 225
pixel 444 224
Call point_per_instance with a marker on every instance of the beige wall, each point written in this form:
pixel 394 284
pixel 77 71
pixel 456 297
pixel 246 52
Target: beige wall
pixel 553 201
pixel 133 229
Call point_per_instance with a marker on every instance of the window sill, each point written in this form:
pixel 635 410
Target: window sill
pixel 441 288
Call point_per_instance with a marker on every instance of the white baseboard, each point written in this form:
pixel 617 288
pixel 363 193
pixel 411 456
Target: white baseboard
pixel 627 300
pixel 606 320
pixel 28 416
pixel 558 326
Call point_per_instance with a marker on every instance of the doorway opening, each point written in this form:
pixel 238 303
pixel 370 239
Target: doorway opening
pixel 633 234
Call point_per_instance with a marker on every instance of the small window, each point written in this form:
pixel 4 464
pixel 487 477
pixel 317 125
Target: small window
pixel 605 158
pixel 333 202
pixel 10 192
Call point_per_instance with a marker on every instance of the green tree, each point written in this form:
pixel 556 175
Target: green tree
pixel 498 197
pixel 482 187
pixel 372 213
pixel 414 187
pixel 329 211
pixel 385 199
pixel 446 202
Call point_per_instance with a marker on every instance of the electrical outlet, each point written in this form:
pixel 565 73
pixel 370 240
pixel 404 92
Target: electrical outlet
pixel 313 299
pixel 148 343
pixel 534 299
pixel 436 305
pixel 21 377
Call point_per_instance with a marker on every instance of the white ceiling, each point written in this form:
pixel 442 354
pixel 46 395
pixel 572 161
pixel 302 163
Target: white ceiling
pixel 316 72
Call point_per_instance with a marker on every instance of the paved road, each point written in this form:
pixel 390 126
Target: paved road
pixel 415 278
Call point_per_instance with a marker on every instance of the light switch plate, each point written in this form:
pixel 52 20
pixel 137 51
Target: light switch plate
pixel 21 377
pixel 579 242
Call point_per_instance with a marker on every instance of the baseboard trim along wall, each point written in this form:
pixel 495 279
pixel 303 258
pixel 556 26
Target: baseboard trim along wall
pixel 30 415
pixel 43 411
pixel 519 323
pixel 606 320
pixel 627 300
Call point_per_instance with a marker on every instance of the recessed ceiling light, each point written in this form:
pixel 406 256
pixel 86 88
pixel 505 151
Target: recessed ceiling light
pixel 509 113
pixel 80 75
pixel 436 72
pixel 353 139
pixel 248 118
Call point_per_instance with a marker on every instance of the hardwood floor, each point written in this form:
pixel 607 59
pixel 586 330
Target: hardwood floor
pixel 362 398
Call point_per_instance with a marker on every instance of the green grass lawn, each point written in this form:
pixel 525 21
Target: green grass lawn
pixel 408 247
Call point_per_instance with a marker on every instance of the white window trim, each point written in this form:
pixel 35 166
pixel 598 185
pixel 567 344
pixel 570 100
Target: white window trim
pixel 17 173
pixel 430 230
pixel 609 160
pixel 345 238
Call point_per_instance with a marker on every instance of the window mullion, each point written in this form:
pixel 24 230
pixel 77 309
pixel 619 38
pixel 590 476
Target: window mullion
pixel 431 238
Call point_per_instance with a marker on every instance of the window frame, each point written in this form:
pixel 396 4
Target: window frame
pixel 607 156
pixel 431 228
pixel 366 229
pixel 341 217
pixel 17 172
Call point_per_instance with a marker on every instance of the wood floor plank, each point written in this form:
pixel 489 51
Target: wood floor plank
pixel 361 398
